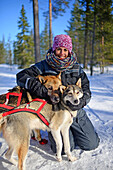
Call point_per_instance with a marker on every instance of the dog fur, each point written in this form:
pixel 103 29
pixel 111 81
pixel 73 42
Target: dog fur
pixel 49 81
pixel 18 140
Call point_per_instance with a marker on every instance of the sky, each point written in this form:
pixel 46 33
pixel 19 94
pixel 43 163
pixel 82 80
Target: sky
pixel 10 13
pixel 99 111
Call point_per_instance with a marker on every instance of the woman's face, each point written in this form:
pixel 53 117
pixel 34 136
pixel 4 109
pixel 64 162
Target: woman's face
pixel 61 52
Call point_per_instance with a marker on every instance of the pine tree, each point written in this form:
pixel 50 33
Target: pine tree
pixel 9 52
pixel 104 33
pixel 59 7
pixel 2 52
pixel 82 23
pixel 30 49
pixel 22 48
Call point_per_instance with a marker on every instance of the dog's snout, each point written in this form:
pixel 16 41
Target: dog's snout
pixel 76 101
pixel 56 98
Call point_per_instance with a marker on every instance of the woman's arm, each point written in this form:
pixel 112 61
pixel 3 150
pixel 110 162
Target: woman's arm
pixel 27 79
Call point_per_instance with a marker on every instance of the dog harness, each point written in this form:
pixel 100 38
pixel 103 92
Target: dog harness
pixel 27 109
pixel 12 110
pixel 6 106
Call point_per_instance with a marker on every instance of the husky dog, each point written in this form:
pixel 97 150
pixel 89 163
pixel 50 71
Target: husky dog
pixel 59 123
pixel 49 81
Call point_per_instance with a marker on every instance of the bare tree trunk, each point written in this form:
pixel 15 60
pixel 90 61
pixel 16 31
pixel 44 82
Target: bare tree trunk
pixel 102 61
pixel 93 40
pixel 102 64
pixel 86 34
pixel 50 24
pixel 36 31
pixel 85 50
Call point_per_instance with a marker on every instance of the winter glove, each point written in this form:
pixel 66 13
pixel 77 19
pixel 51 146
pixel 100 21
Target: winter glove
pixel 37 89
pixel 79 106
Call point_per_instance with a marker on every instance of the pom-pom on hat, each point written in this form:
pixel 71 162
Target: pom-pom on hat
pixel 62 41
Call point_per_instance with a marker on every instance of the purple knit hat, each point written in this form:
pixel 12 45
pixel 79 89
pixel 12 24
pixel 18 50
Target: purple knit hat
pixel 62 41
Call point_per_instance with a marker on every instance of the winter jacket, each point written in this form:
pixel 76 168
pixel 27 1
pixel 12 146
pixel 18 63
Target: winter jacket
pixel 27 79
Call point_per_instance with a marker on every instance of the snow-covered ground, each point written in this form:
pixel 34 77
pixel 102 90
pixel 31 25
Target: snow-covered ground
pixel 100 112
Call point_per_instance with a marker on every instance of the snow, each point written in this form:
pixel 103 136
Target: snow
pixel 100 112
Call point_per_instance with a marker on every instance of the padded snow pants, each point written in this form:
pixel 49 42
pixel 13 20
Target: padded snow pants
pixel 81 134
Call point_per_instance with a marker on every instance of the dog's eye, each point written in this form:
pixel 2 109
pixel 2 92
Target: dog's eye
pixel 69 94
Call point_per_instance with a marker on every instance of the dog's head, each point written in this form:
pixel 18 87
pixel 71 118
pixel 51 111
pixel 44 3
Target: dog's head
pixel 54 95
pixel 51 81
pixel 71 94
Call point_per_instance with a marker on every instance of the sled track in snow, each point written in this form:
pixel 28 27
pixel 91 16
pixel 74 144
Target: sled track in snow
pixel 109 90
pixel 94 113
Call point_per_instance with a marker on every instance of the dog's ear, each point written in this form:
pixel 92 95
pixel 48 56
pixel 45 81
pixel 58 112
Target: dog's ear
pixel 15 89
pixel 41 79
pixel 59 76
pixel 79 82
pixel 62 88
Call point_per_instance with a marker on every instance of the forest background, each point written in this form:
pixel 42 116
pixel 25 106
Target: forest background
pixel 90 27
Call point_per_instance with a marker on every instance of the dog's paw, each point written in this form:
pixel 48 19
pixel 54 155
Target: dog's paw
pixel 10 159
pixel 13 161
pixel 72 158
pixel 59 159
